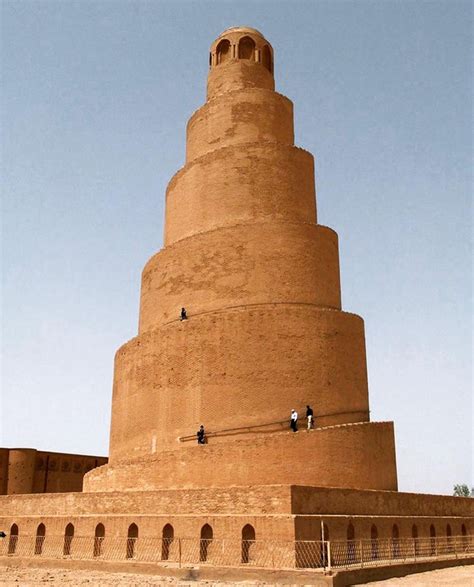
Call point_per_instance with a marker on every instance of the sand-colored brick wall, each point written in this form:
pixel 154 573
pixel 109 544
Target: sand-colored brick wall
pixel 27 470
pixel 321 500
pixel 267 509
pixel 238 184
pixel 261 263
pixel 239 117
pixel 319 458
pixel 236 369
pixel 4 454
pixel 238 75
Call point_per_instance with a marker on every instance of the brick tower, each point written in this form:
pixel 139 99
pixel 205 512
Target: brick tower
pixel 259 278
pixel 265 333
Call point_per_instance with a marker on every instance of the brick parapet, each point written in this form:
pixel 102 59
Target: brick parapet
pixel 318 457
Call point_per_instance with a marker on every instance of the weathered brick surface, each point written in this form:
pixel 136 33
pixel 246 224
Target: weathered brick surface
pixel 242 265
pixel 237 369
pixel 319 457
pixel 27 470
pixel 240 183
pixel 239 117
pixel 276 512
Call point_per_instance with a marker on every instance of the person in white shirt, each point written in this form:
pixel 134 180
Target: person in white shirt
pixel 310 417
pixel 294 420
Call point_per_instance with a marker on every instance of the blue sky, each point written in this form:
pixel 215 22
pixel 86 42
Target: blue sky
pixel 95 99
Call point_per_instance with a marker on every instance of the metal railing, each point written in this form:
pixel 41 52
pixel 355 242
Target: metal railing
pixel 382 552
pixel 226 552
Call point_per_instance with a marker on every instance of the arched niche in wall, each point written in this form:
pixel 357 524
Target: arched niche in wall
pixel 248 543
pixel 374 536
pixel 99 536
pixel 207 536
pixel 13 539
pixel 68 536
pixel 132 536
pixel 40 536
pixel 351 545
pixel 166 541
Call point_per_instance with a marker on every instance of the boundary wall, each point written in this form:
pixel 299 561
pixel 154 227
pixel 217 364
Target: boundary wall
pixel 27 470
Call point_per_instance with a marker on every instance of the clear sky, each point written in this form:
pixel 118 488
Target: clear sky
pixel 95 99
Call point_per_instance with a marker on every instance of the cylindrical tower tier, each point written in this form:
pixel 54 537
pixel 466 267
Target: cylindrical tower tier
pixel 237 369
pixel 240 183
pixel 243 116
pixel 358 456
pixel 258 263
pixel 21 470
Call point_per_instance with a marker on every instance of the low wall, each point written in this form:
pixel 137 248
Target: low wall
pixel 318 457
pixel 27 470
pixel 362 576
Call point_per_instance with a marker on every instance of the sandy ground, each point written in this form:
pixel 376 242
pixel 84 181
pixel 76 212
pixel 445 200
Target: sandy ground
pixel 16 577
pixel 454 577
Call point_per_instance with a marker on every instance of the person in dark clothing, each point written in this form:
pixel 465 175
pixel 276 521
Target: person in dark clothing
pixel 3 535
pixel 310 417
pixel 201 435
pixel 183 316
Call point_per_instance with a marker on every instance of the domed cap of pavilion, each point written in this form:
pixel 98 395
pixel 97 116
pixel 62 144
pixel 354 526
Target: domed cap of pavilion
pixel 241 42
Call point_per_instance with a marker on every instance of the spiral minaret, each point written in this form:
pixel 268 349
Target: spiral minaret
pixel 259 278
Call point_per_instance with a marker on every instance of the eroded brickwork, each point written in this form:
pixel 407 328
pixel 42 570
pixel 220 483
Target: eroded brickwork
pixel 265 333
pixel 27 470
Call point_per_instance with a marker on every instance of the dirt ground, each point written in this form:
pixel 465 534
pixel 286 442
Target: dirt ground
pixel 25 577
pixel 453 577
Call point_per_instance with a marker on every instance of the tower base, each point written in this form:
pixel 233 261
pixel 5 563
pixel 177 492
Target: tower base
pixel 358 456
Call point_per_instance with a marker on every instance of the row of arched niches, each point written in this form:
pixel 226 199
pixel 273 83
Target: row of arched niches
pixel 245 47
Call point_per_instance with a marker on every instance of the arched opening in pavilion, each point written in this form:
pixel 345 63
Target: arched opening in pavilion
pixel 223 53
pixel 247 48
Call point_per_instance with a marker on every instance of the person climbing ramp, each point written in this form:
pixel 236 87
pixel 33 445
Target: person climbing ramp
pixel 294 420
pixel 201 435
pixel 310 417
